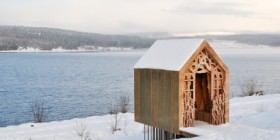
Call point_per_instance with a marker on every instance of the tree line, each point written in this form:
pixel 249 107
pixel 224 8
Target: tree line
pixel 13 37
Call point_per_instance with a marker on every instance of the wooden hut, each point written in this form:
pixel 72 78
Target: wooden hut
pixel 178 81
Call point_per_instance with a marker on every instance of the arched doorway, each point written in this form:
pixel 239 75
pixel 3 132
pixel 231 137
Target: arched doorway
pixel 202 97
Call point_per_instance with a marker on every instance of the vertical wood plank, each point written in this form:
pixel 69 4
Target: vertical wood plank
pixel 181 98
pixel 148 97
pixel 142 95
pixel 161 99
pixel 227 82
pixel 167 105
pixel 175 101
pixel 155 98
pixel 137 94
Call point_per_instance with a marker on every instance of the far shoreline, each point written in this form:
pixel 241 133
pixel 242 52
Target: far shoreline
pixel 71 51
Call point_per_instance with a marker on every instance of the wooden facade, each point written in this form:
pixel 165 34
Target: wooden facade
pixel 156 98
pixel 170 100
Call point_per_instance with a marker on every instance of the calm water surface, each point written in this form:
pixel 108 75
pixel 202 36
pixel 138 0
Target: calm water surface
pixel 85 84
pixel 72 84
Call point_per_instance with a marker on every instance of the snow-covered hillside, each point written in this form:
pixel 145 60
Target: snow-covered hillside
pixel 256 117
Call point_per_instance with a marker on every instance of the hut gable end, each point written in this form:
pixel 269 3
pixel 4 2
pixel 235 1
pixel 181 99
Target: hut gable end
pixel 211 54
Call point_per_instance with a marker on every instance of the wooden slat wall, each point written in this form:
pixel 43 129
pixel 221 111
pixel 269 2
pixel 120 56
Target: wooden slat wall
pixel 137 94
pixel 175 101
pixel 156 101
pixel 167 101
pixel 161 98
pixel 142 96
pixel 148 96
pixel 155 98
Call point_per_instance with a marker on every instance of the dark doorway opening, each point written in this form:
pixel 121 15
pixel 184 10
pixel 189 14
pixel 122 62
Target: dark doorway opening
pixel 202 97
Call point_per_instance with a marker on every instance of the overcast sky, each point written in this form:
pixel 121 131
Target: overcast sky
pixel 130 16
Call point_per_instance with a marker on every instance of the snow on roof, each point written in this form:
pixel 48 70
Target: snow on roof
pixel 169 54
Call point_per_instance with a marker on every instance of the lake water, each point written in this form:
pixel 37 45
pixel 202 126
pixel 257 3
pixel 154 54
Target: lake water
pixel 85 84
pixel 72 84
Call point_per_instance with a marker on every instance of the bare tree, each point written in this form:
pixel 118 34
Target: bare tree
pixel 119 106
pixel 251 86
pixel 81 131
pixel 123 103
pixel 40 111
pixel 115 118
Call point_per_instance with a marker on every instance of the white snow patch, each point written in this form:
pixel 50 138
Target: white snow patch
pixel 98 127
pixel 169 54
pixel 230 132
pixel 59 49
pixel 246 122
pixel 255 117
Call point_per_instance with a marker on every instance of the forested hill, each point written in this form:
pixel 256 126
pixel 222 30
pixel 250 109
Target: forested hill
pixel 13 37
pixel 272 40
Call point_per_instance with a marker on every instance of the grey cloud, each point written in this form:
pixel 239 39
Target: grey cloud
pixel 214 9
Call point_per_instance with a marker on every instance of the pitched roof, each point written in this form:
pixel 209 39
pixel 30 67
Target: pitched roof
pixel 169 54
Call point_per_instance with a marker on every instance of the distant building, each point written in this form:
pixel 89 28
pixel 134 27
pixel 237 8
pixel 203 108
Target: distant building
pixel 179 81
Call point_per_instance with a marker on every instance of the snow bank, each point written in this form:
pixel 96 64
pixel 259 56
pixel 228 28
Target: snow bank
pixel 231 132
pixel 98 127
pixel 256 117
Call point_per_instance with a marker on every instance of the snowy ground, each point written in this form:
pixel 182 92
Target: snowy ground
pixel 98 128
pixel 256 117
